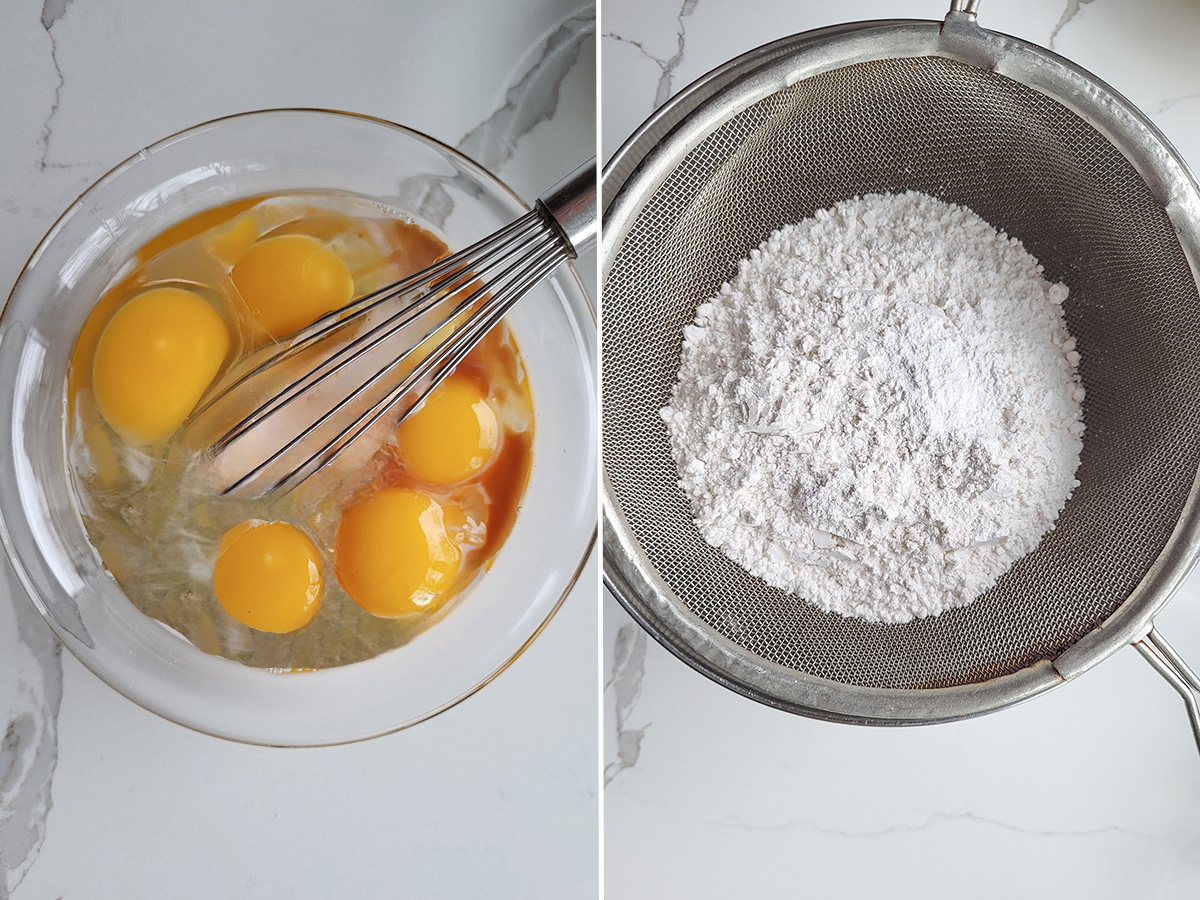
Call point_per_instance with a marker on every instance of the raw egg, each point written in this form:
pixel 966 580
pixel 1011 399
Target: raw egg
pixel 289 281
pixel 155 358
pixel 451 436
pixel 230 242
pixel 394 556
pixel 268 576
pixel 256 580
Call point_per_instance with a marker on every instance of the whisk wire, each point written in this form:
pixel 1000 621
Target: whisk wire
pixel 390 347
pixel 502 243
pixel 425 376
pixel 459 279
pixel 425 285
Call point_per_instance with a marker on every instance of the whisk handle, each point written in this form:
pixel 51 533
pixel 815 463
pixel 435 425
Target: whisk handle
pixel 571 205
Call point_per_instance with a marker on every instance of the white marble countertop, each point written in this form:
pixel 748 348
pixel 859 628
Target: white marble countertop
pixel 1092 790
pixel 497 797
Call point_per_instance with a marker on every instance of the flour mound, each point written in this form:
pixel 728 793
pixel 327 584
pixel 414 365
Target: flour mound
pixel 882 412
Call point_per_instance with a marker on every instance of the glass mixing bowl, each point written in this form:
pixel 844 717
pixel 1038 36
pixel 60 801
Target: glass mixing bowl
pixel 206 166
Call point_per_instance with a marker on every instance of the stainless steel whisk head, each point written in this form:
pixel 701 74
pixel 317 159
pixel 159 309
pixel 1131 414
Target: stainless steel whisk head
pixel 297 405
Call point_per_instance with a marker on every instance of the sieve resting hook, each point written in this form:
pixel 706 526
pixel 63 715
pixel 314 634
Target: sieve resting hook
pixel 1170 665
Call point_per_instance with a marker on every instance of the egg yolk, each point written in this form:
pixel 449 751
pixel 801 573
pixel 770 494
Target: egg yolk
pixel 289 281
pixel 155 359
pixel 231 241
pixel 451 436
pixel 394 557
pixel 268 576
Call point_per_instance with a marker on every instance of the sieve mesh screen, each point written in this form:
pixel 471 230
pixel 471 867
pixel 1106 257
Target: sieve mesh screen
pixel 1028 166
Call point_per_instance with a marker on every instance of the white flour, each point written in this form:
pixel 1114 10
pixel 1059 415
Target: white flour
pixel 881 412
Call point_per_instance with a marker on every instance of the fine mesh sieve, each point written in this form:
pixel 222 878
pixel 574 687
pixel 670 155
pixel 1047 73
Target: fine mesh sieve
pixel 1040 149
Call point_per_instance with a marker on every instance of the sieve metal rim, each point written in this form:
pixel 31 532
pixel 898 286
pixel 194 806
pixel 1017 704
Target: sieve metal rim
pixel 644 162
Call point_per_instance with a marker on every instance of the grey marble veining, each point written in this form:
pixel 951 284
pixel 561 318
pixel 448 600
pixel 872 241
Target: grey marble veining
pixel 29 748
pixel 52 11
pixel 531 100
pixel 1171 102
pixel 668 66
pixel 625 688
pixel 934 821
pixel 1071 11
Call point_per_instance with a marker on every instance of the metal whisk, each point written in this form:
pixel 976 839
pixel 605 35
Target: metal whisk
pixel 298 404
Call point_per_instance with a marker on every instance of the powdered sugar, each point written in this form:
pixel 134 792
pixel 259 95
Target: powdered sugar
pixel 881 412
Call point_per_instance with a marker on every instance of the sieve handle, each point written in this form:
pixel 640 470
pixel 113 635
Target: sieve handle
pixel 1170 665
pixel 966 6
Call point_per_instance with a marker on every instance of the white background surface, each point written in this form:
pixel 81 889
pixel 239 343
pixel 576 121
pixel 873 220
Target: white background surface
pixel 1092 790
pixel 496 797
